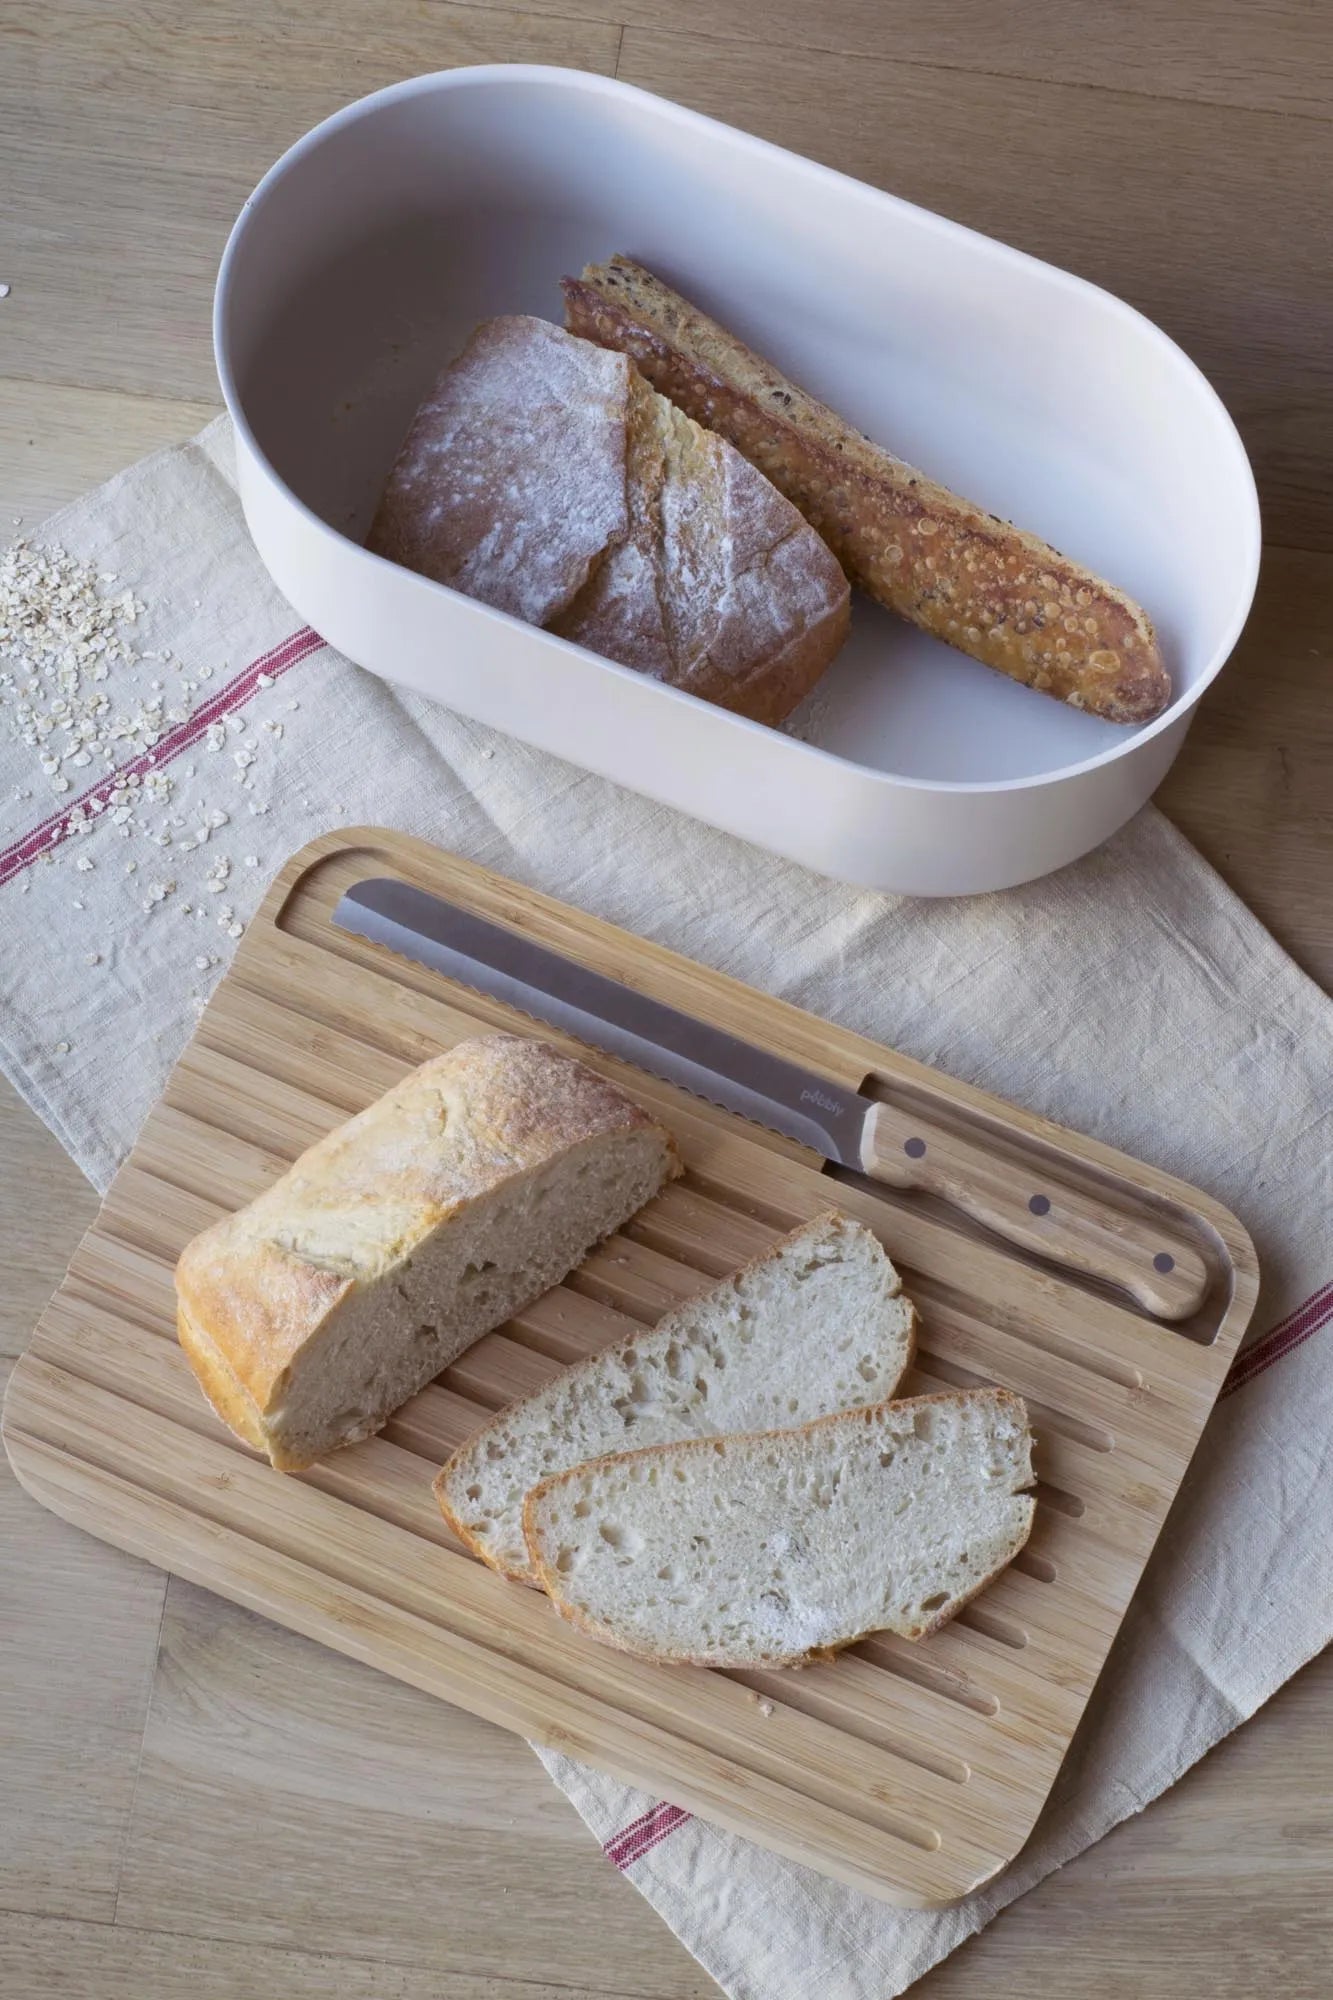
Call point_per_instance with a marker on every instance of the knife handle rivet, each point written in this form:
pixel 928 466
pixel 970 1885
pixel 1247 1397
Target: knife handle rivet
pixel 1164 1262
pixel 1040 1204
pixel 914 1148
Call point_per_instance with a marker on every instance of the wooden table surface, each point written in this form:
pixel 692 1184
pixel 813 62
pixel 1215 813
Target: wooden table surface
pixel 197 1805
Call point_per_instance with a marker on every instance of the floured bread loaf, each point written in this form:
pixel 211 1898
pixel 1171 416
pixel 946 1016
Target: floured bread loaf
pixel 458 1198
pixel 544 476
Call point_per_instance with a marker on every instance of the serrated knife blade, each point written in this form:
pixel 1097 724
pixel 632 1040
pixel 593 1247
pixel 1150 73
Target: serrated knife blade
pixel 899 1144
pixel 560 993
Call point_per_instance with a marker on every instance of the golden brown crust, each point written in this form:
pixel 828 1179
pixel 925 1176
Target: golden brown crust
pixel 595 1629
pixel 593 1362
pixel 218 1381
pixel 961 574
pixel 254 1288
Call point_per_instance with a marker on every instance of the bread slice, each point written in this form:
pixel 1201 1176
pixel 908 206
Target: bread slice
pixel 473 1186
pixel 816 1324
pixel 544 476
pixel 784 1546
pixel 961 574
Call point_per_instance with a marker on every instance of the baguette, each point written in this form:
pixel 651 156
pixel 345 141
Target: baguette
pixel 473 1186
pixel 961 574
pixel 543 476
pixel 818 1323
pixel 783 1547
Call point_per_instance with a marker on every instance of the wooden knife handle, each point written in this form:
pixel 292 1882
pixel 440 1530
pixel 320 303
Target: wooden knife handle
pixel 1164 1273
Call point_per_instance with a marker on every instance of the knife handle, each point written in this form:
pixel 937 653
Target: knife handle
pixel 1162 1272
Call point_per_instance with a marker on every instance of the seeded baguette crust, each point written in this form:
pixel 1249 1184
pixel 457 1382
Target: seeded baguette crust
pixel 692 1457
pixel 503 1158
pixel 569 1404
pixel 993 591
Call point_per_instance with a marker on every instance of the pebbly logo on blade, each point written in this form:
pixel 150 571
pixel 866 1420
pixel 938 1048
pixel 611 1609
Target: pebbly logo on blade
pixel 824 1102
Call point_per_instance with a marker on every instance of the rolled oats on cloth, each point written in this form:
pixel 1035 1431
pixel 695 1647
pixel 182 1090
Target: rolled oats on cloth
pixel 205 734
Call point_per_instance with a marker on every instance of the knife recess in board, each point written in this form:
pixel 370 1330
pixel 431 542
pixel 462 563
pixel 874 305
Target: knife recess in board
pixel 1159 1269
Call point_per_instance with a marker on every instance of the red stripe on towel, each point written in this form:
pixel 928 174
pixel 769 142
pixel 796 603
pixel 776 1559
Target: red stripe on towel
pixel 22 853
pixel 1284 1339
pixel 635 1840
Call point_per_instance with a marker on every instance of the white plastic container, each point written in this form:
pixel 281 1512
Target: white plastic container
pixel 367 254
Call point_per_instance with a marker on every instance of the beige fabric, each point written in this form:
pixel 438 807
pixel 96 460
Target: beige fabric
pixel 1130 995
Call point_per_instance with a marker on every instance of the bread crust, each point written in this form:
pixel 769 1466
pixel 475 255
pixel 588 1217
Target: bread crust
pixel 965 576
pixel 595 1629
pixel 257 1286
pixel 543 475
pixel 590 1365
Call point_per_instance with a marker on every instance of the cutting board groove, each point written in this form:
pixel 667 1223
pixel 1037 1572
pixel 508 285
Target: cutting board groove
pixel 912 1771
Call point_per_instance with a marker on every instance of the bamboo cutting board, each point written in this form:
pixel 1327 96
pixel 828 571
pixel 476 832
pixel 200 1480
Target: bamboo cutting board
pixel 913 1772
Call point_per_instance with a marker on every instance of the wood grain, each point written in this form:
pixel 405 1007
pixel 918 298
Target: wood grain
pixel 907 1794
pixel 1218 1888
pixel 51 1960
pixel 56 441
pixel 45 1204
pixel 1106 183
pixel 133 134
pixel 1220 1885
pixel 267 1766
pixel 71 1714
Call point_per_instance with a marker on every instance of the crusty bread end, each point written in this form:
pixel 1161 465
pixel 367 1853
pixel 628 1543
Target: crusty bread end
pixel 967 577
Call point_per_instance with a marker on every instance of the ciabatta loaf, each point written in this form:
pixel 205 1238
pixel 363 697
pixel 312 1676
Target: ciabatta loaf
pixel 961 574
pixel 544 476
pixel 782 1547
pixel 818 1323
pixel 475 1185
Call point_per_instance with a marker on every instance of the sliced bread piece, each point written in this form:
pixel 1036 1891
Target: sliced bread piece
pixel 473 1186
pixel 782 1547
pixel 817 1324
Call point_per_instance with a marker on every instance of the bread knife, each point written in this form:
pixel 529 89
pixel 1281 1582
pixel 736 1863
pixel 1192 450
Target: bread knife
pixel 1162 1272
